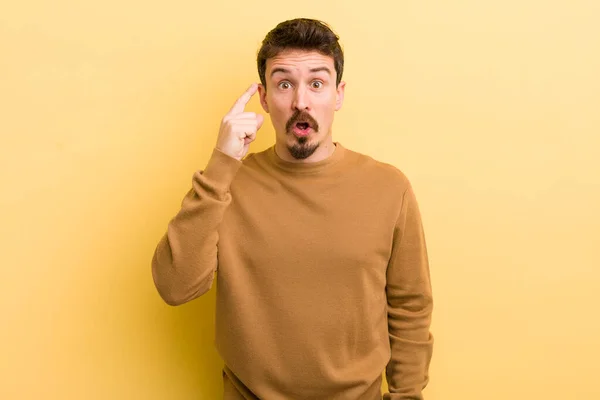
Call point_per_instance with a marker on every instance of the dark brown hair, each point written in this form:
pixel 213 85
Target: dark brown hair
pixel 301 34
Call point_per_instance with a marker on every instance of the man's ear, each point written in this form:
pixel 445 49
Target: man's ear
pixel 262 93
pixel 339 97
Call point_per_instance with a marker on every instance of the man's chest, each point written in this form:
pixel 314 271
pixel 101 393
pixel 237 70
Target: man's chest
pixel 312 227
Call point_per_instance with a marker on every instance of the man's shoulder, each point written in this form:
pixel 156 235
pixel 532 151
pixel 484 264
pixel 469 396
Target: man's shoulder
pixel 379 169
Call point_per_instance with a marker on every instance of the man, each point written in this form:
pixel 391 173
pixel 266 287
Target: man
pixel 323 279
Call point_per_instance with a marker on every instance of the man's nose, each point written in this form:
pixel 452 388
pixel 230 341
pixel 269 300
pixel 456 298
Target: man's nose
pixel 300 99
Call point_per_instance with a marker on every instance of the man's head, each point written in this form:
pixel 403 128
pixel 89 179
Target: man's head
pixel 300 64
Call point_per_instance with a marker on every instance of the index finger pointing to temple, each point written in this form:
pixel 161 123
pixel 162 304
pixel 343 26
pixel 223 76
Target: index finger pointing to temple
pixel 239 105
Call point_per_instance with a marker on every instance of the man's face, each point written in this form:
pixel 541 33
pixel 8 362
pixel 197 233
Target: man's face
pixel 301 96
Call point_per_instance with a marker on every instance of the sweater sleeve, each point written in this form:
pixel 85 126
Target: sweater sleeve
pixel 410 304
pixel 185 259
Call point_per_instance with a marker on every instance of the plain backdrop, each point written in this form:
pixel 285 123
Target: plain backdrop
pixel 491 108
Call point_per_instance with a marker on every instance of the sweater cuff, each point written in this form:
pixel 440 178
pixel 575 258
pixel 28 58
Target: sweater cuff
pixel 221 169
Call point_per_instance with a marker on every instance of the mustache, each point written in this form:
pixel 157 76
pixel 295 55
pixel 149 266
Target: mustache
pixel 301 116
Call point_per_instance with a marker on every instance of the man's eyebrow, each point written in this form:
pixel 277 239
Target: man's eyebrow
pixel 319 69
pixel 287 71
pixel 279 69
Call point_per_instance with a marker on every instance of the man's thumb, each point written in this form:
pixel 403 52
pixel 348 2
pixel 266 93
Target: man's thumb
pixel 259 119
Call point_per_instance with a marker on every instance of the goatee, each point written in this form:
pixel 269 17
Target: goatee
pixel 302 149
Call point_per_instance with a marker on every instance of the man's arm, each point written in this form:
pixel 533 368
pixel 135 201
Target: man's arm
pixel 409 306
pixel 185 259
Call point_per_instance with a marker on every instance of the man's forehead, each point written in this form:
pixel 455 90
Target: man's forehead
pixel 299 59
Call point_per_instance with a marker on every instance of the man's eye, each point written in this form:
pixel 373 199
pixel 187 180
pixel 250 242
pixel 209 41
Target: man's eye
pixel 284 85
pixel 317 84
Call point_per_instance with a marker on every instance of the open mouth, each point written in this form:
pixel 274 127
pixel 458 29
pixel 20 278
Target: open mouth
pixel 302 125
pixel 301 129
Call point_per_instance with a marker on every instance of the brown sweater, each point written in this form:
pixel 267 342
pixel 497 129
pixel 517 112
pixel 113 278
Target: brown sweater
pixel 321 270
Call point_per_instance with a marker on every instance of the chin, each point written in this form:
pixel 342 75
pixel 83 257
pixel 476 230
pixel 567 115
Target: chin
pixel 302 148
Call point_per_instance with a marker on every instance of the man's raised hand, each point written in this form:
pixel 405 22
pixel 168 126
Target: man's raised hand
pixel 238 128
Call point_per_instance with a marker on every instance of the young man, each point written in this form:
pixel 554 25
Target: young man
pixel 323 278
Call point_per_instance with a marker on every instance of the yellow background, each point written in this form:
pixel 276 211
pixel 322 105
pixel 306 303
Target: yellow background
pixel 492 108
